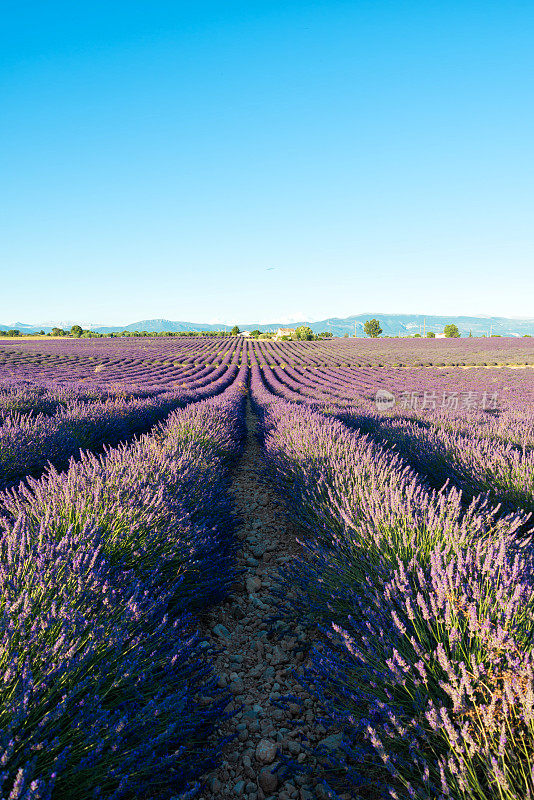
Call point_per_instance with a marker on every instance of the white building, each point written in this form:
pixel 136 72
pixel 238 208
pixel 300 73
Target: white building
pixel 284 332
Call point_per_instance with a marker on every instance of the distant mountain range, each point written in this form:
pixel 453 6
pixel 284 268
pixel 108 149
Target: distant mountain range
pixel 392 324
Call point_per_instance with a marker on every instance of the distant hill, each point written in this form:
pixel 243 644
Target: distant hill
pixel 392 325
pixel 151 325
pixel 405 324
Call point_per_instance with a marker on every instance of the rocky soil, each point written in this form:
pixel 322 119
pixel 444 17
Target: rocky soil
pixel 258 665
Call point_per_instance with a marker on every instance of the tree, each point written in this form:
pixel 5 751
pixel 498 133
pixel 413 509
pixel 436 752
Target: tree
pixel 255 334
pixel 451 331
pixel 58 332
pixel 430 335
pixel 326 335
pixel 41 333
pixel 235 331
pixel 304 332
pixel 76 331
pixel 13 332
pixel 372 328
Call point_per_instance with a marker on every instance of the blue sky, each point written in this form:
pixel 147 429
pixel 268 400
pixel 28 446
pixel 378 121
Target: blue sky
pixel 158 157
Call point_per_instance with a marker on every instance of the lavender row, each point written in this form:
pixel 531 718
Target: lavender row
pixel 28 443
pixel 425 663
pixel 395 352
pixel 475 450
pixel 48 398
pixel 43 356
pixel 456 452
pixel 106 691
pixel 168 364
pixel 414 390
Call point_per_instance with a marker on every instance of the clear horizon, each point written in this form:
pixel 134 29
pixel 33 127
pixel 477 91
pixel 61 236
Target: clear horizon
pixel 268 160
pixel 378 314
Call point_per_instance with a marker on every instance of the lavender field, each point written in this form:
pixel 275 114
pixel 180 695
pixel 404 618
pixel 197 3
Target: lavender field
pixel 154 645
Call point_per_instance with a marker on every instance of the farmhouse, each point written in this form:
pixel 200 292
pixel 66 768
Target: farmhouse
pixel 284 332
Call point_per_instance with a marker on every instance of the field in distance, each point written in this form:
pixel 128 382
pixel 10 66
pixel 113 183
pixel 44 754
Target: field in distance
pixel 121 356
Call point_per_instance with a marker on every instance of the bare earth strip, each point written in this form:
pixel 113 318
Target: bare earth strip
pixel 256 664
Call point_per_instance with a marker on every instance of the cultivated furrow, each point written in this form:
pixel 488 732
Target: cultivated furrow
pixel 257 663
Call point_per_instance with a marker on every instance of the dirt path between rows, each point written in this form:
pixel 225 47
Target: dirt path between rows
pixel 256 664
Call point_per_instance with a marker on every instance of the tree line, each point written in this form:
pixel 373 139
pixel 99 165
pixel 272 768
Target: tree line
pixel 302 333
pixel 372 328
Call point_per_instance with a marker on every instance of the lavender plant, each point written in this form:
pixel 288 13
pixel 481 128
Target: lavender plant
pixel 28 443
pixel 426 612
pixel 105 688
